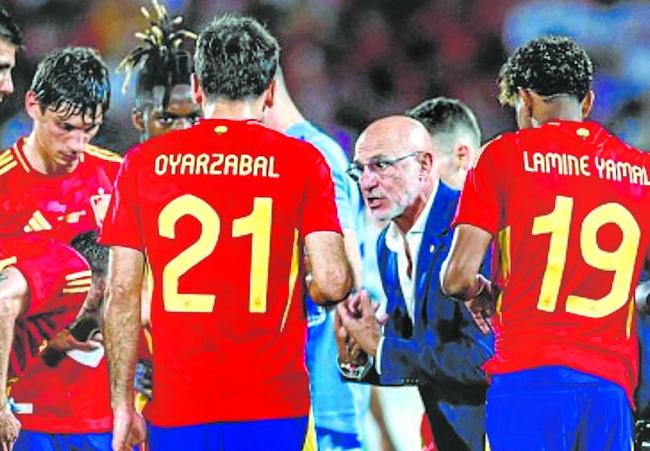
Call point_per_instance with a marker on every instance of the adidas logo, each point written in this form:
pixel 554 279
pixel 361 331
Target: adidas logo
pixel 78 282
pixel 37 223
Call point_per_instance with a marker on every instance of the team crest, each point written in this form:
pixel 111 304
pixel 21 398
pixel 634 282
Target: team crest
pixel 100 202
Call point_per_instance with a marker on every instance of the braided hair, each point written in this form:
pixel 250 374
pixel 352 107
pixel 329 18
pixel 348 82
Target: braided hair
pixel 159 60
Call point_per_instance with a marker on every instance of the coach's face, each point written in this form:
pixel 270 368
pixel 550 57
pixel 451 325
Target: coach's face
pixel 387 167
pixel 7 63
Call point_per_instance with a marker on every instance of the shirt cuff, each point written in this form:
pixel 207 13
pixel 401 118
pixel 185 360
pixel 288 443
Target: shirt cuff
pixel 378 358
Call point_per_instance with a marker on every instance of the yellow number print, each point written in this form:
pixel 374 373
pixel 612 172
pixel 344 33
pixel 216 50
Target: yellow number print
pixel 557 223
pixel 258 224
pixel 190 257
pixel 620 261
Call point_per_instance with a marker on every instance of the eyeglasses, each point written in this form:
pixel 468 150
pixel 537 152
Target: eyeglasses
pixel 378 166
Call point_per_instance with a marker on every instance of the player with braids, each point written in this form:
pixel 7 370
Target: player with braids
pixel 10 40
pixel 162 68
pixel 163 102
pixel 566 202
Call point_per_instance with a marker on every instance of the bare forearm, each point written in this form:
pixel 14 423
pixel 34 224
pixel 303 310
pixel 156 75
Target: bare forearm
pixel 330 293
pixel 122 322
pixel 6 338
pixel 121 333
pixel 354 256
pixel 93 303
pixel 330 269
pixel 13 301
pixel 459 271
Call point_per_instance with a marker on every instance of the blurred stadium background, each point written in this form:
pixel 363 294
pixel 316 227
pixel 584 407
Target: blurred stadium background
pixel 350 61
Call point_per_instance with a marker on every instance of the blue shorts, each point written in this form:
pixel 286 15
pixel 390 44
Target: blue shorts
pixel 271 435
pixel 40 441
pixel 559 409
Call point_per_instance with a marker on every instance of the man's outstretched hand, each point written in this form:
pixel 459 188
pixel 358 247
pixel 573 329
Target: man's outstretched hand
pixel 483 305
pixel 9 430
pixel 357 317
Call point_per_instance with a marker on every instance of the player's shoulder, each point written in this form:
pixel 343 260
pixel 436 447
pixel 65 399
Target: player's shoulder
pixel 297 149
pixel 496 148
pixel 12 160
pixel 326 145
pixel 101 155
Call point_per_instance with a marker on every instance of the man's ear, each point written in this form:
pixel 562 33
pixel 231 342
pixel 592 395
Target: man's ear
pixel 527 102
pixel 587 103
pixel 32 106
pixel 197 91
pixel 463 156
pixel 137 118
pixel 426 163
pixel 269 95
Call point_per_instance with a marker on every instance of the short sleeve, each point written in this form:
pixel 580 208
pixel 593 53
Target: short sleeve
pixel 481 201
pixel 122 225
pixel 50 269
pixel 319 213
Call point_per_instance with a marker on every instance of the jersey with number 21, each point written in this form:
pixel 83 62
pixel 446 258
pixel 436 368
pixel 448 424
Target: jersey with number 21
pixel 221 211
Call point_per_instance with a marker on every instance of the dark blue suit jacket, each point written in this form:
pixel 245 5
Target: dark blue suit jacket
pixel 442 350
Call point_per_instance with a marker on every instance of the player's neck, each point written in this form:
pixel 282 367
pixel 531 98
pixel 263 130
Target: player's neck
pixel 559 110
pixel 36 157
pixel 237 111
pixel 284 114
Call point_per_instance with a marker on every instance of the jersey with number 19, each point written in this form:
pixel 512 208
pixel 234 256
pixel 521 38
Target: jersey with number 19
pixel 568 203
pixel 221 211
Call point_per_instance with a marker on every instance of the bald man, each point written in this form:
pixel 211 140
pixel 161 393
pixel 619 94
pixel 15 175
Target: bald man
pixel 428 340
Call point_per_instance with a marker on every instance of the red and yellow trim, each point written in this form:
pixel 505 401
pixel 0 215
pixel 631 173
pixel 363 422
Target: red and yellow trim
pixel 103 154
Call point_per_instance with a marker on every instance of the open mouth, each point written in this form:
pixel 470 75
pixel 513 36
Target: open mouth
pixel 374 202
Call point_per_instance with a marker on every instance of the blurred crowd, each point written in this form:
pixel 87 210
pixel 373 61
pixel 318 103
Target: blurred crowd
pixel 350 61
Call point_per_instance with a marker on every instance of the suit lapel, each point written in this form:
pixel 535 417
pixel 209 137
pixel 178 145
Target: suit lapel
pixel 437 226
pixel 396 305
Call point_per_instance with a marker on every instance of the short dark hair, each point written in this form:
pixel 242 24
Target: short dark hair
pixel 95 254
pixel 159 60
pixel 549 65
pixel 73 78
pixel 445 119
pixel 236 58
pixel 9 30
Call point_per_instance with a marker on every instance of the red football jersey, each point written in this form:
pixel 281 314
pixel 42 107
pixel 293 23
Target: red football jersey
pixel 58 279
pixel 58 207
pixel 568 205
pixel 69 398
pixel 221 210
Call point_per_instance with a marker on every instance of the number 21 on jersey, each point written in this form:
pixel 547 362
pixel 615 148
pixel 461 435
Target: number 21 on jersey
pixel 620 261
pixel 257 224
